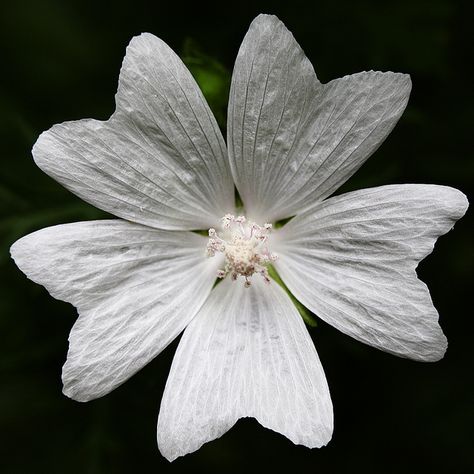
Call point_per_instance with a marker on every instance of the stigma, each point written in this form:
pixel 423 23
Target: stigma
pixel 245 247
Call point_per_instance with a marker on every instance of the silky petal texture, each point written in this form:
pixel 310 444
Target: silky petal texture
pixel 160 160
pixel 246 354
pixel 292 140
pixel 135 289
pixel 352 262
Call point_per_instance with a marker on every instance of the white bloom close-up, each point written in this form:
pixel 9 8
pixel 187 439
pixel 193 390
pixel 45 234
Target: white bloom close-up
pixel 161 165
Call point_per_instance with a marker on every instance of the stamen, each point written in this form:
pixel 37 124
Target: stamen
pixel 244 244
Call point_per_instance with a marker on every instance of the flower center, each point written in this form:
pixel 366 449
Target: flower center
pixel 244 245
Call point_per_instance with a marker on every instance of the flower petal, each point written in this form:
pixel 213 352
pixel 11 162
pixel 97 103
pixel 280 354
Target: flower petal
pixel 352 261
pixel 160 160
pixel 247 353
pixel 292 140
pixel 135 288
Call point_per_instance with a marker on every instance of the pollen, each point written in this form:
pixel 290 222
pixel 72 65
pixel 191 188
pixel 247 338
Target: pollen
pixel 245 247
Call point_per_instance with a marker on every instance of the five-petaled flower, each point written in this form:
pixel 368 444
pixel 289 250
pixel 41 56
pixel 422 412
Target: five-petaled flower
pixel 160 164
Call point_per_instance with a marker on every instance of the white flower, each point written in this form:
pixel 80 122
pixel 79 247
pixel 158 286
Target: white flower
pixel 161 165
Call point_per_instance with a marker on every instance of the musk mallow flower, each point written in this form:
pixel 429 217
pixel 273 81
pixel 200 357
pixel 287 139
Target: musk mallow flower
pixel 161 165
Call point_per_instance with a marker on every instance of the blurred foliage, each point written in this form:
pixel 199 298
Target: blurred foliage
pixel 60 61
pixel 212 77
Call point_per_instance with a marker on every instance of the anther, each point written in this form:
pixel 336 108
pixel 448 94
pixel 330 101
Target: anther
pixel 244 244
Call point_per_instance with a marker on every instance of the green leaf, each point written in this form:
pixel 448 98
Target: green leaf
pixel 305 313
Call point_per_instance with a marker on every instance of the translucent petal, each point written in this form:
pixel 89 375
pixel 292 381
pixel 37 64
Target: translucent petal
pixel 246 354
pixel 352 262
pixel 160 160
pixel 292 140
pixel 135 289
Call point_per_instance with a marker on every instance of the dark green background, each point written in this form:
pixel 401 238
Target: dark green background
pixel 60 61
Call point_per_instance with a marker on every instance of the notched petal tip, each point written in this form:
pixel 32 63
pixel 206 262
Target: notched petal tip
pixel 395 313
pixel 276 376
pixel 142 164
pixel 310 442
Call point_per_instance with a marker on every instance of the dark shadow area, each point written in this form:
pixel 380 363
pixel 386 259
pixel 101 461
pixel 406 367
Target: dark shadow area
pixel 60 61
